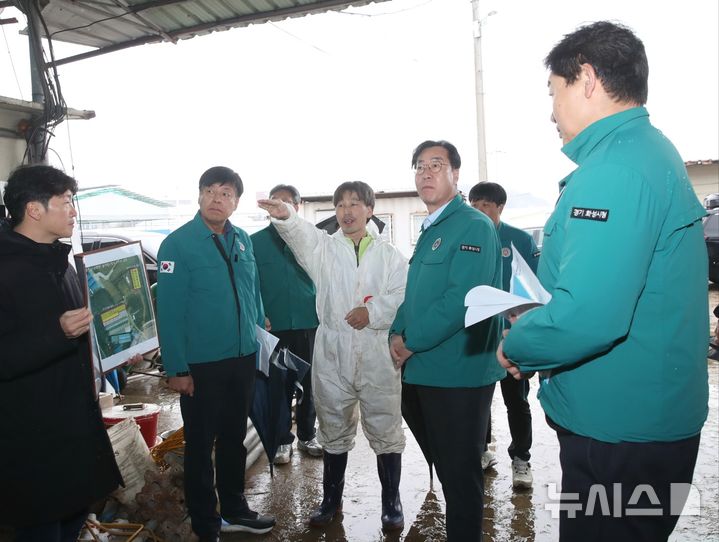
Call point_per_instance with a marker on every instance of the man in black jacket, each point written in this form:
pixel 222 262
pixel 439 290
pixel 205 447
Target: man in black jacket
pixel 55 455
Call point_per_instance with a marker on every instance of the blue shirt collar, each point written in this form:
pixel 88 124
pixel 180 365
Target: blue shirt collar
pixel 429 220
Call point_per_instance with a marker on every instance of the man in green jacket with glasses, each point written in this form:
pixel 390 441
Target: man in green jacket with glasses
pixel 450 371
pixel 208 302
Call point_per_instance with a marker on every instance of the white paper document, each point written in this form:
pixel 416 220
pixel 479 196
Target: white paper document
pixel 524 282
pixel 484 301
pixel 266 343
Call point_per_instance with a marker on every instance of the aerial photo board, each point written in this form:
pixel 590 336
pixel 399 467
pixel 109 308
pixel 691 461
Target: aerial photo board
pixel 118 296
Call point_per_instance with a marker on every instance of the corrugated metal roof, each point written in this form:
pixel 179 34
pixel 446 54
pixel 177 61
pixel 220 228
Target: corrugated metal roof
pixel 111 25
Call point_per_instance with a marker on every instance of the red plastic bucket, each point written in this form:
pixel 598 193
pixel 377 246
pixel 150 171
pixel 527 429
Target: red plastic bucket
pixel 146 418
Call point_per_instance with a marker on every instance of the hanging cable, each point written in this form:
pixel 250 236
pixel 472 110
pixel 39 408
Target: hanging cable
pixel 109 18
pixel 12 63
pixel 54 106
pixel 69 145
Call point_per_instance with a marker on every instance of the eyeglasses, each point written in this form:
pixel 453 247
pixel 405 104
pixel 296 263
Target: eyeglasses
pixel 225 194
pixel 435 166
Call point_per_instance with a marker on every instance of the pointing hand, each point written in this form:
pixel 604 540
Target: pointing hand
pixel 278 209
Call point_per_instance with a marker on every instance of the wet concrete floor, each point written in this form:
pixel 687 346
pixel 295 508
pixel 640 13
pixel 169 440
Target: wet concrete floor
pixel 509 515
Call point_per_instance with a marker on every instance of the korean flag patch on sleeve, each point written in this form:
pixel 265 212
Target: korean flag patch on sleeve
pixel 167 267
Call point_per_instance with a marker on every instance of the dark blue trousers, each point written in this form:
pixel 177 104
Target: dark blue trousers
pixel 519 415
pixel 455 421
pixel 216 416
pixel 623 492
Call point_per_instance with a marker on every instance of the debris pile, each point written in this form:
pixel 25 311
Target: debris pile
pixel 153 497
pixel 162 499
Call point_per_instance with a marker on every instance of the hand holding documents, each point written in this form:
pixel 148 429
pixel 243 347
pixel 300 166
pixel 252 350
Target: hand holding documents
pixel 483 302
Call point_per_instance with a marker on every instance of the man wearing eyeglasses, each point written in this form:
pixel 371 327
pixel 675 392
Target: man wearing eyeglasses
pixel 208 300
pixel 450 371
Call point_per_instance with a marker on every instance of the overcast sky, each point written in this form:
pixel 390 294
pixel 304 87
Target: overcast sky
pixel 322 99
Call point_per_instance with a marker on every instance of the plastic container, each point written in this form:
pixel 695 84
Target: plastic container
pixel 146 418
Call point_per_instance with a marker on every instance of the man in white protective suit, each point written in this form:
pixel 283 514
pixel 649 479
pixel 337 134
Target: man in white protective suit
pixel 360 280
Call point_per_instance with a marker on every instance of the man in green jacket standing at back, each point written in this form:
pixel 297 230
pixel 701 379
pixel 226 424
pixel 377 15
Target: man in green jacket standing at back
pixel 208 302
pixel 490 198
pixel 288 296
pixel 621 347
pixel 450 370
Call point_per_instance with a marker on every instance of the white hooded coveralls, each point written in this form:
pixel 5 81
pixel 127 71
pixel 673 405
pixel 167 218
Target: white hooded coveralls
pixel 349 365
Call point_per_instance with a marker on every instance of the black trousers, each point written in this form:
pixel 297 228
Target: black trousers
pixel 301 342
pixel 216 415
pixel 624 492
pixel 519 415
pixel 65 530
pixel 455 420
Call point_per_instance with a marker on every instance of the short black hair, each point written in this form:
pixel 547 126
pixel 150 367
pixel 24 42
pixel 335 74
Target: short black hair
pixel 454 158
pixel 222 175
pixel 34 183
pixel 616 54
pixel 488 191
pixel 296 199
pixel 363 190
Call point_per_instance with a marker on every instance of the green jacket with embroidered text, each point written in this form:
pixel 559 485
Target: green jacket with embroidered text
pixel 199 317
pixel 459 251
pixel 624 336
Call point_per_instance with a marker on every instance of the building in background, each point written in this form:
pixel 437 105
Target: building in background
pixel 401 211
pixel 704 176
pixel 111 206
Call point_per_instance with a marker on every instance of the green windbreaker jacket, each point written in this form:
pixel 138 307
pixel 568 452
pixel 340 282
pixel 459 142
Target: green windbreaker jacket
pixel 288 294
pixel 624 336
pixel 199 317
pixel 459 251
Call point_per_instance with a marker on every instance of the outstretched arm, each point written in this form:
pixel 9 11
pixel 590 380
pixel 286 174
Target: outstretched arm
pixel 305 240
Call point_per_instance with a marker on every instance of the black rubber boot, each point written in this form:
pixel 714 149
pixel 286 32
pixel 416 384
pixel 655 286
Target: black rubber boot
pixel 389 467
pixel 333 483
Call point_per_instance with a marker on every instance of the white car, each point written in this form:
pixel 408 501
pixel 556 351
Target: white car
pixel 150 241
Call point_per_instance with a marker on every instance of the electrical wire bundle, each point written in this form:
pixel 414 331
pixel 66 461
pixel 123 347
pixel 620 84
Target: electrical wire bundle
pixel 174 443
pixel 54 107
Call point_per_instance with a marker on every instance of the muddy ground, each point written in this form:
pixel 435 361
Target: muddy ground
pixel 510 515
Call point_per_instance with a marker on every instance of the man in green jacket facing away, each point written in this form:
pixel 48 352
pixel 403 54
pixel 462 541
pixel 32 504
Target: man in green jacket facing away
pixel 288 296
pixel 208 301
pixel 621 347
pixel 450 370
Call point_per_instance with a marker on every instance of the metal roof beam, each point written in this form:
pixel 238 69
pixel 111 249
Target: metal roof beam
pixel 144 20
pixel 187 32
